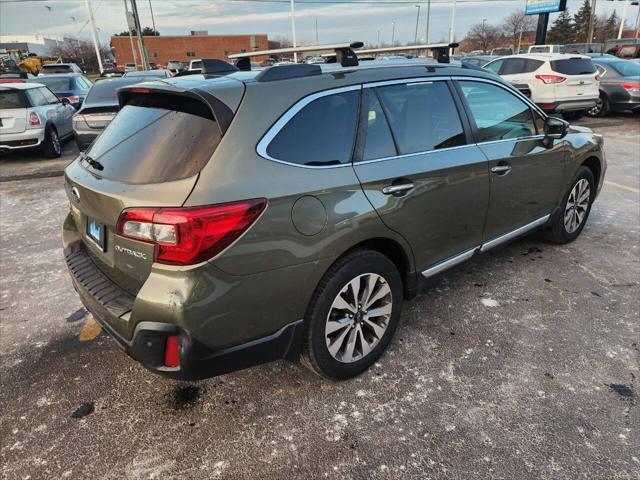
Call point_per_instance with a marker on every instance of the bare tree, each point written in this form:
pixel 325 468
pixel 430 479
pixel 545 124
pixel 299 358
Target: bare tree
pixel 79 52
pixel 515 23
pixel 481 36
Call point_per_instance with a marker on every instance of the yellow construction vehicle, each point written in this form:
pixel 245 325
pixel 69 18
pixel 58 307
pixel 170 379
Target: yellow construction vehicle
pixel 26 62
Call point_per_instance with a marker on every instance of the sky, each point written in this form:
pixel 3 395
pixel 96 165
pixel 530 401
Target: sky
pixel 336 22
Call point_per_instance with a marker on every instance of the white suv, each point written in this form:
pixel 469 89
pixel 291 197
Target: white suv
pixel 567 84
pixel 32 116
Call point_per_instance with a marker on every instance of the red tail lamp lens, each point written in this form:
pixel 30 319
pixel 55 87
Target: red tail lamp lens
pixel 172 352
pixel 189 235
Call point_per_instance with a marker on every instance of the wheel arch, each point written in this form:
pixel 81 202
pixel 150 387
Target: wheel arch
pixel 593 164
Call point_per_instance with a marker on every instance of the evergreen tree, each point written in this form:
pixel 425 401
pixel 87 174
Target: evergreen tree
pixel 581 23
pixel 610 29
pixel 561 31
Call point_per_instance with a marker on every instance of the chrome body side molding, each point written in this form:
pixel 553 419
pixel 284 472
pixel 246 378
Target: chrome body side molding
pixel 467 254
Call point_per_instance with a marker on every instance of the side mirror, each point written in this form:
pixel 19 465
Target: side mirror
pixel 65 101
pixel 555 128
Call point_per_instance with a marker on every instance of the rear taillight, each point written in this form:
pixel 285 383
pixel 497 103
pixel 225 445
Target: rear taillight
pixel 172 351
pixel 34 119
pixel 549 79
pixel 631 87
pixel 189 235
pixel 597 77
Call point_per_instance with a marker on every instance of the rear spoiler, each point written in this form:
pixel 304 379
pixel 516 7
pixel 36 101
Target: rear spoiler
pixel 344 53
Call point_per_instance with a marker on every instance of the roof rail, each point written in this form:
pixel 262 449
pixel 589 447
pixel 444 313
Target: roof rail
pixel 343 51
pixel 440 50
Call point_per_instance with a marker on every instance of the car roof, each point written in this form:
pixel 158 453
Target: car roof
pixel 547 56
pixel 62 74
pixel 53 65
pixel 22 86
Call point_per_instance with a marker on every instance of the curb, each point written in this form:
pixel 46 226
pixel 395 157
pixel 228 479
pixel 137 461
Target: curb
pixel 28 176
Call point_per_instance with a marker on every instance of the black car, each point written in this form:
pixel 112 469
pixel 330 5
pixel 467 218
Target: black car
pixel 619 86
pixel 98 109
pixel 72 86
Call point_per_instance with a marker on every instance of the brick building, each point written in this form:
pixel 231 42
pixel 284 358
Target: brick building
pixel 163 48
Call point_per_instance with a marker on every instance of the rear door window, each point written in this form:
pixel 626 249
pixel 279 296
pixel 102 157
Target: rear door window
pixel 423 116
pixel 155 138
pixel 573 66
pixel 12 99
pixel 494 66
pixel 498 114
pixel 322 133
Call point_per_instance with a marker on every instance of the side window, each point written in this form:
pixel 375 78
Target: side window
pixel 532 65
pixel 512 66
pixel 422 116
pixel 378 141
pixel 494 66
pixel 36 97
pixel 322 133
pixel 48 95
pixel 498 114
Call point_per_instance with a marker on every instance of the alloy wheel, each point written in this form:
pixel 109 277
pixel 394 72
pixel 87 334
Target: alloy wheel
pixel 577 205
pixel 358 317
pixel 595 111
pixel 55 141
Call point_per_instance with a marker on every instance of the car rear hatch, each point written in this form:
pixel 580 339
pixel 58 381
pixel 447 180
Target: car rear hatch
pixel 96 117
pixel 13 111
pixel 580 74
pixel 150 155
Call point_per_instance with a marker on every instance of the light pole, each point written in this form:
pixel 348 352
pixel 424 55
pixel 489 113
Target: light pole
pixel 415 37
pixel 452 32
pixel 484 36
pixel 426 36
pixel 95 34
pixel 378 44
pixel 51 23
pixel 293 29
pixel 393 33
pixel 624 17
pixel 592 21
pixel 153 21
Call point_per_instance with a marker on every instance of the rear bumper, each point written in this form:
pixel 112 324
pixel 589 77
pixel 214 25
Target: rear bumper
pixel 110 305
pixel 28 139
pixel 84 138
pixel 568 105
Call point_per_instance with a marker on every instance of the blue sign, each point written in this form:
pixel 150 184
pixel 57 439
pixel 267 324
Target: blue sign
pixel 535 7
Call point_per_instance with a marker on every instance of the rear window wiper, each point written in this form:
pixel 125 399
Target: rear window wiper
pixel 96 165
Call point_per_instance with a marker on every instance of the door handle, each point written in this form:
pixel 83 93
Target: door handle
pixel 397 189
pixel 501 169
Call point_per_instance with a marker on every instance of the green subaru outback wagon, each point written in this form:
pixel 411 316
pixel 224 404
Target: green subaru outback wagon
pixel 222 221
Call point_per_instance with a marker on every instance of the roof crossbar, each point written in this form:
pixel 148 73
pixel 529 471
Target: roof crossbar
pixel 343 52
pixel 440 50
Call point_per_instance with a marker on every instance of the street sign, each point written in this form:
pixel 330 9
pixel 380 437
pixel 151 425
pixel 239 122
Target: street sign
pixel 535 7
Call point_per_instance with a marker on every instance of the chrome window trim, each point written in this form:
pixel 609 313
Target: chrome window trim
pixel 263 144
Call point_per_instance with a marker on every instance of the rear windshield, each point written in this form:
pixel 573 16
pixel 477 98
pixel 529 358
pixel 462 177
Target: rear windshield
pixel 56 68
pixel 153 139
pixel 105 90
pixel 573 66
pixel 197 64
pixel 56 84
pixel 626 69
pixel 12 99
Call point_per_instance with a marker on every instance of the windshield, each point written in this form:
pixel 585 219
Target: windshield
pixel 626 69
pixel 57 84
pixel 155 138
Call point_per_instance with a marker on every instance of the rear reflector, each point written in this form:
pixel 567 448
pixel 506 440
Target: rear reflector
pixel 140 90
pixel 548 106
pixel 172 351
pixel 550 79
pixel 189 235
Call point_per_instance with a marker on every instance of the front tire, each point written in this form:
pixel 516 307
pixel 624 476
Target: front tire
pixel 353 315
pixel 51 146
pixel 574 115
pixel 576 206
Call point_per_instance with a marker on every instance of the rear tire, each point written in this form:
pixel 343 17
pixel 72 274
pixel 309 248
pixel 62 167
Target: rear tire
pixel 574 115
pixel 353 315
pixel 569 221
pixel 51 146
pixel 601 109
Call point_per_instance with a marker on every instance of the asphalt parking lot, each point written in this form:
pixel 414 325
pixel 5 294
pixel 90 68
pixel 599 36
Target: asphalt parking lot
pixel 523 363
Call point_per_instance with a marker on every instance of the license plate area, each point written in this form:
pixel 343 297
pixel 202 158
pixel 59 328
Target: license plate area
pixel 96 233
